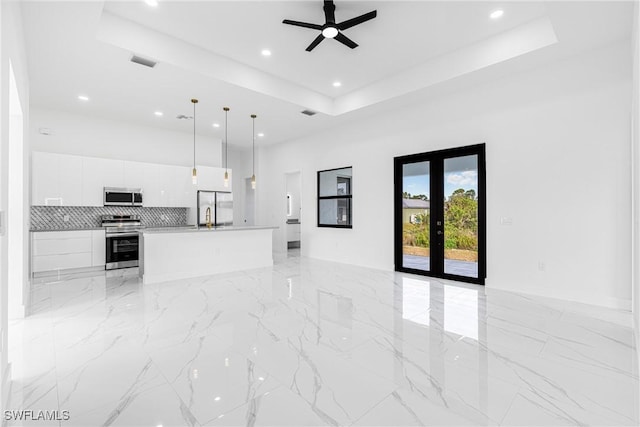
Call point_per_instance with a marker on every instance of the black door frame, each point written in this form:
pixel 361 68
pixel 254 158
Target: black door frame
pixel 436 159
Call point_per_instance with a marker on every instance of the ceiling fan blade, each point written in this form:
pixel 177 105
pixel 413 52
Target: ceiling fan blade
pixel 302 24
pixel 357 20
pixel 329 12
pixel 346 41
pixel 315 43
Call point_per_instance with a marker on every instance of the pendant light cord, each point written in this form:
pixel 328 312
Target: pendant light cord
pixel 253 150
pixel 194 134
pixel 226 139
pixel 194 101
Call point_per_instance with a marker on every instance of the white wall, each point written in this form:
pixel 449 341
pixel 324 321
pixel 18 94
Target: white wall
pixel 94 137
pixel 11 50
pixel 557 163
pixel 239 160
pixel 635 120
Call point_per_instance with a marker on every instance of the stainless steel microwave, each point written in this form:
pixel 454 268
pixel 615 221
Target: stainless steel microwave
pixel 114 196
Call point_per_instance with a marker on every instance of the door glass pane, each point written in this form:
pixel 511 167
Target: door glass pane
pixel 461 216
pixel 415 216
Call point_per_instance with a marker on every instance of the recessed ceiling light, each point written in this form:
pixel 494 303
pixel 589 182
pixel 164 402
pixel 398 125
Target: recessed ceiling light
pixel 337 84
pixel 496 14
pixel 158 113
pixel 217 398
pixel 83 97
pixel 152 3
pixel 216 125
pixel 266 52
pixel 261 134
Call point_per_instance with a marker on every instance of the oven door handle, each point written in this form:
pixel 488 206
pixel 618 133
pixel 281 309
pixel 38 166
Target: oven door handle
pixel 112 235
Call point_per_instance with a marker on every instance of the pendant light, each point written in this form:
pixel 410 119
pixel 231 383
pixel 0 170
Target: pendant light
pixel 253 153
pixel 226 147
pixel 194 173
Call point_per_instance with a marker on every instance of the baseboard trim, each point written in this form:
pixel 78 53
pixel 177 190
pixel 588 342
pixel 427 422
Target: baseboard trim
pixel 596 300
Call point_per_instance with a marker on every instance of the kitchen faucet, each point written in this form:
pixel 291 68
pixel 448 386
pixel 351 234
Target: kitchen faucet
pixel 207 218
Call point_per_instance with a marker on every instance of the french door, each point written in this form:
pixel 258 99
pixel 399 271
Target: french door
pixel 440 214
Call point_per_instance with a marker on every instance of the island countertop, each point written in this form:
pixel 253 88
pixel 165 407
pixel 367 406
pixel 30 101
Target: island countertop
pixel 194 229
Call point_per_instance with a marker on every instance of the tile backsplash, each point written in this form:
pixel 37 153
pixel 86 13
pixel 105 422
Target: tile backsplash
pixel 53 217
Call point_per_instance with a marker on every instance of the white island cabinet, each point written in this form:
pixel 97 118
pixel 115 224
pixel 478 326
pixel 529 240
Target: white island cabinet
pixel 182 253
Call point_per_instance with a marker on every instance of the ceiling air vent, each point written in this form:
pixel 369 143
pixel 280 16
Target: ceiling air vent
pixel 143 61
pixel 183 117
pixel 308 112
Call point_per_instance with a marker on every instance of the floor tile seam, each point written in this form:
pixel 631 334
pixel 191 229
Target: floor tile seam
pixel 171 387
pixel 200 422
pixel 513 399
pixel 504 351
pixel 534 389
pixel 599 364
pixel 510 379
pixel 627 327
pixel 245 403
pixel 375 406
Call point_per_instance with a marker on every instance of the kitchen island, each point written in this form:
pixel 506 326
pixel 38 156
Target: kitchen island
pixel 180 253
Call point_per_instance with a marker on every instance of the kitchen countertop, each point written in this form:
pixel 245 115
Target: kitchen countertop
pixel 47 230
pixel 193 229
pixel 153 227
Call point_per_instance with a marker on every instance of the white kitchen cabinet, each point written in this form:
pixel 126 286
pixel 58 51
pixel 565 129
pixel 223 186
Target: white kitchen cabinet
pixel 293 232
pixel 186 191
pixel 44 178
pixel 60 250
pixel 56 179
pixel 166 184
pixel 66 180
pixel 98 173
pixel 70 180
pixel 150 185
pixel 133 175
pixel 98 248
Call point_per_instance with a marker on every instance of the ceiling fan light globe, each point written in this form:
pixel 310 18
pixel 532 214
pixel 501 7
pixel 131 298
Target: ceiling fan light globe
pixel 330 32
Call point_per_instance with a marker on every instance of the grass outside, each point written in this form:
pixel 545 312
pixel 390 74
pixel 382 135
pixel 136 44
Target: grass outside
pixel 455 254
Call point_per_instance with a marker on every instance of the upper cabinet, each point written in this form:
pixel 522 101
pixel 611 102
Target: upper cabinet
pixel 134 174
pixel 56 180
pixel 98 173
pixel 65 180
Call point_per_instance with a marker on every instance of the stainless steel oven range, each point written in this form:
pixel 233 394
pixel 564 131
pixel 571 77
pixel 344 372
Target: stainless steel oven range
pixel 122 233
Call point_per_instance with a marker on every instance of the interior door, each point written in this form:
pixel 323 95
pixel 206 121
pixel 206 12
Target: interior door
pixel 440 214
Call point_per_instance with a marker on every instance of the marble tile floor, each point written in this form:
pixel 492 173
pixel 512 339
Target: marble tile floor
pixel 309 342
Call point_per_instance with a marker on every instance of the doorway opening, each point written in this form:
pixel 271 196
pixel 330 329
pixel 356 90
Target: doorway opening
pixel 440 214
pixel 293 212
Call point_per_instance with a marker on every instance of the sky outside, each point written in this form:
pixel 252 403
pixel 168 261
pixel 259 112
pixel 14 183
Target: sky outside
pixel 419 184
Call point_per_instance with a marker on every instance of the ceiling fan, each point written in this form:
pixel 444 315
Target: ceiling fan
pixel 331 29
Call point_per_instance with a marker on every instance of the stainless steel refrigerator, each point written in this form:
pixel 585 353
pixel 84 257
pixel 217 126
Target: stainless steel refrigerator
pixel 220 204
